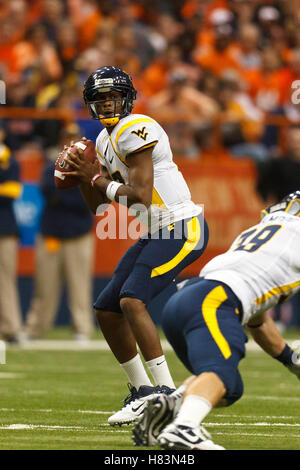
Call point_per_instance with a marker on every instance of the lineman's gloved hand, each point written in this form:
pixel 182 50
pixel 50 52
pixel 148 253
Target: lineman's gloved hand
pixel 294 367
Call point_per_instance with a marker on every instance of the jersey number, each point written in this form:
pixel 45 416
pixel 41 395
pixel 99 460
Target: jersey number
pixel 262 237
pixel 116 176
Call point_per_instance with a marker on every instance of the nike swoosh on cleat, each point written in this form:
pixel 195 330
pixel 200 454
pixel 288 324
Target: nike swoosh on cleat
pixel 181 434
pixel 136 409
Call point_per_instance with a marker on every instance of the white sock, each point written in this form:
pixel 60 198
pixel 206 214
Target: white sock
pixel 159 369
pixel 134 369
pixel 193 411
pixel 180 390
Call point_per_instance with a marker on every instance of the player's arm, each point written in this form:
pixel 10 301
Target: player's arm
pixel 140 181
pixel 85 171
pixel 92 195
pixel 140 178
pixel 264 332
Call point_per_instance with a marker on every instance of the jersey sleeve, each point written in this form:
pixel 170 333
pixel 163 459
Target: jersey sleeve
pixel 137 136
pixel 295 252
pixel 99 150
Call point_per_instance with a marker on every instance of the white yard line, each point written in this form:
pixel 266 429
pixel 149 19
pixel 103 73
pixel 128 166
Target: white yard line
pixel 254 424
pixel 39 426
pixel 256 434
pixel 11 375
pixel 100 412
pixel 32 410
pixel 127 430
pixel 271 398
pixel 93 345
pixel 219 415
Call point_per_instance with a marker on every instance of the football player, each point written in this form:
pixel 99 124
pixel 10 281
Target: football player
pixel 137 167
pixel 204 323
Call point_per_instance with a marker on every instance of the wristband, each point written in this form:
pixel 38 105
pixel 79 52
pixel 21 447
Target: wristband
pixel 111 190
pixel 95 177
pixel 285 356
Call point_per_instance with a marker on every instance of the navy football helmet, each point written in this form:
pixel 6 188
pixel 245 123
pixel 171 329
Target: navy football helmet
pixel 290 204
pixel 107 79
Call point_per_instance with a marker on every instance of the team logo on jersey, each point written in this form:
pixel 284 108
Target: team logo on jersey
pixel 141 133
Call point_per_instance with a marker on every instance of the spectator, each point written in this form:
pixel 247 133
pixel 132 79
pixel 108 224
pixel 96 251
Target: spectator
pixel 126 16
pixel 269 19
pixel 243 121
pixel 243 11
pixel 20 132
pixel 7 43
pixel 281 176
pixel 52 14
pixel 217 58
pixel 87 17
pixel 64 251
pixel 209 84
pixel 155 77
pixel 125 46
pixel 189 105
pixel 67 45
pixel 246 51
pixel 10 189
pixel 36 52
pixel 267 85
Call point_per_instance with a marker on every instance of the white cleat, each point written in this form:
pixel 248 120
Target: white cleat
pixel 180 437
pixel 134 405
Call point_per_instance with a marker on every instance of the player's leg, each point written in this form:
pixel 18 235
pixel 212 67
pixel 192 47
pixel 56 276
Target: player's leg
pixel 203 328
pixel 77 261
pixel 143 328
pixel 47 287
pixel 10 312
pixel 118 334
pixel 112 322
pixel 136 282
pixel 156 267
pixel 215 341
pixel 140 287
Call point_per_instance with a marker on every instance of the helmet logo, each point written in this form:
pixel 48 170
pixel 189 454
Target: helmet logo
pixel 105 82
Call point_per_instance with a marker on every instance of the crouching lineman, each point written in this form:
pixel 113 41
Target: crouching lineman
pixel 137 168
pixel 204 323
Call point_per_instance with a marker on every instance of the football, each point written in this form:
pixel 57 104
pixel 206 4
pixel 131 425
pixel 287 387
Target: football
pixel 61 166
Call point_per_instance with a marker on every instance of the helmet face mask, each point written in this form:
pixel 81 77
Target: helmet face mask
pixel 289 204
pixel 106 80
pixel 109 109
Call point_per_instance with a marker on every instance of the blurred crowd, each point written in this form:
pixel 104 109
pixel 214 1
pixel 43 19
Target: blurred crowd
pixel 193 62
pixel 219 75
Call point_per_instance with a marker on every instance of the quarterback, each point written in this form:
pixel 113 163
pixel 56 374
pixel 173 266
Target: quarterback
pixel 137 167
pixel 204 323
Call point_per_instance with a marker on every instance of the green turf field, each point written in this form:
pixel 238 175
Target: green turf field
pixel 61 399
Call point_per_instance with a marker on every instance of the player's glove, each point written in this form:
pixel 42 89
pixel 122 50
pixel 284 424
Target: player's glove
pixel 295 366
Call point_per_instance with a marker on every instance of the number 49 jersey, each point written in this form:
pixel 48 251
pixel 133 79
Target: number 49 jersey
pixel 171 198
pixel 262 266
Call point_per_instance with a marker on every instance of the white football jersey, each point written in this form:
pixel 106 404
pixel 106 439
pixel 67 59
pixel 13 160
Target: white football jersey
pixel 171 198
pixel 262 266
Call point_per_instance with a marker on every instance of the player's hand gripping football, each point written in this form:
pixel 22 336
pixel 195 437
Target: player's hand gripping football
pixel 295 367
pixel 82 168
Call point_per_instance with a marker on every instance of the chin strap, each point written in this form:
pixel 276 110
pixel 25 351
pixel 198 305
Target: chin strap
pixel 108 122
